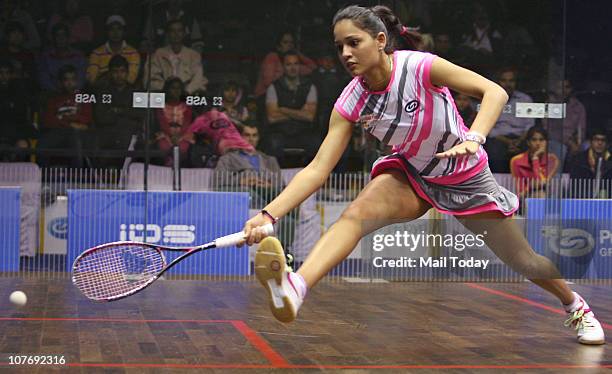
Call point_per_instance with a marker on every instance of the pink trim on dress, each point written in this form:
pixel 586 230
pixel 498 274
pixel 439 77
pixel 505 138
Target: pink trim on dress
pixel 427 73
pixel 397 164
pixel 343 112
pixel 360 103
pixel 457 178
pixel 415 119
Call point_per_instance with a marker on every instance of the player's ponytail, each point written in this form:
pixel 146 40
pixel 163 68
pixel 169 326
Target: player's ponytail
pixel 377 19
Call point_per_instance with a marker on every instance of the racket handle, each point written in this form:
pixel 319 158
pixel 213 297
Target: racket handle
pixel 233 239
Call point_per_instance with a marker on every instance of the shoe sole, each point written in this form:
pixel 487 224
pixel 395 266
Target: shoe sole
pixel 269 269
pixel 594 342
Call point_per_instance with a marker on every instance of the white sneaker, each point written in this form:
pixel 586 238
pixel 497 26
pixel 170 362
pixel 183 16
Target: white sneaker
pixel 273 273
pixel 588 327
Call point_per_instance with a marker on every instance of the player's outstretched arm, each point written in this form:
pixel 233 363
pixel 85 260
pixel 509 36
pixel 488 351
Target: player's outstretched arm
pixel 309 179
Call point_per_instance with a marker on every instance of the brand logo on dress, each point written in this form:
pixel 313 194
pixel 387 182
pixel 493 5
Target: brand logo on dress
pixel 411 106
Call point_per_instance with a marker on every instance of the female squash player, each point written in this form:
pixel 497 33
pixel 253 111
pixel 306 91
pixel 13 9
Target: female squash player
pixel 402 97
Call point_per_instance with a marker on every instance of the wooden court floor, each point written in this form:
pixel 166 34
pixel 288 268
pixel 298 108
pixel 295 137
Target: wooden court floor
pixel 225 327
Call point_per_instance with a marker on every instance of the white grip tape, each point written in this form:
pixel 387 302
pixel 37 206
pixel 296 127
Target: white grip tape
pixel 233 239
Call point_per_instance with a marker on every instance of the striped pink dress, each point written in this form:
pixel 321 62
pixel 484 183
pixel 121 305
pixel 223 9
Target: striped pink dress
pixel 419 120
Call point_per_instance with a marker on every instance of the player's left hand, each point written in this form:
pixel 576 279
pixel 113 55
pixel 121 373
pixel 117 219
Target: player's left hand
pixel 462 149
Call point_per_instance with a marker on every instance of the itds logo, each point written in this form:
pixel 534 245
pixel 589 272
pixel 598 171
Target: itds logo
pixel 169 234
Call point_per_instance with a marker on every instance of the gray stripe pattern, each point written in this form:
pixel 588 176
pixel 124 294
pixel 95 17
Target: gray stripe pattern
pixel 400 104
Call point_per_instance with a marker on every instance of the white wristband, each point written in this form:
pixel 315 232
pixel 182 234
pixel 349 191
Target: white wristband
pixel 475 137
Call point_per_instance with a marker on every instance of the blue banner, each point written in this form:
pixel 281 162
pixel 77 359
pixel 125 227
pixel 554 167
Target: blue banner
pixel 181 219
pixel 9 228
pixel 576 234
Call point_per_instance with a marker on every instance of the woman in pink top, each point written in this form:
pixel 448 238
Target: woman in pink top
pixel 174 121
pixel 272 67
pixel 402 98
pixel 533 169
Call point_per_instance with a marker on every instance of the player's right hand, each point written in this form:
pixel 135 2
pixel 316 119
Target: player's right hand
pixel 253 233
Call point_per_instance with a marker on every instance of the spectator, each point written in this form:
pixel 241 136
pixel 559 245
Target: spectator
pixel 259 174
pixel 14 127
pixel 224 136
pixel 81 26
pixel 15 51
pixel 483 41
pixel 534 168
pixel 173 11
pixel 232 102
pixel 116 45
pixel 65 122
pixel 255 168
pixel 11 12
pixel 509 132
pixel 594 164
pixel 272 65
pixel 291 104
pixel 174 121
pixel 567 134
pixel 329 82
pixel 176 60
pixel 116 121
pixel 443 47
pixel 58 55
pixel 465 106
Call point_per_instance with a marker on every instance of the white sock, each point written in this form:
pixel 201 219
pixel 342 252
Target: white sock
pixel 574 304
pixel 299 284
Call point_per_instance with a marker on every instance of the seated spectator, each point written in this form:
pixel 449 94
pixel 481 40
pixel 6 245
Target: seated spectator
pixel 14 127
pixel 260 175
pixel 329 82
pixel 65 122
pixel 174 121
pixel 465 106
pixel 60 54
pixel 11 12
pixel 506 137
pixel 232 102
pixel 594 164
pixel 176 60
pixel 116 45
pixel 534 168
pixel 14 49
pixel 272 65
pixel 172 10
pixel 81 25
pixel 567 134
pixel 291 104
pixel 483 41
pixel 117 121
pixel 217 127
pixel 444 48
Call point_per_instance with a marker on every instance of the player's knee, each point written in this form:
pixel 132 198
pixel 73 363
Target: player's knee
pixel 355 212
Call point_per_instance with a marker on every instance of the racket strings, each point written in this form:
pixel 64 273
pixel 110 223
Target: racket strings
pixel 117 270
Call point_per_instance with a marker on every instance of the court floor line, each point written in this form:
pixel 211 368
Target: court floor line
pixel 291 366
pixel 260 344
pixel 558 310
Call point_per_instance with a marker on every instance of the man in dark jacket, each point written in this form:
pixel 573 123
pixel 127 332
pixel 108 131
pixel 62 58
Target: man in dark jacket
pixel 593 166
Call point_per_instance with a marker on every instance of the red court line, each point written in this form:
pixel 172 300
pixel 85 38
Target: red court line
pixel 249 334
pixel 255 366
pixel 258 342
pixel 526 301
